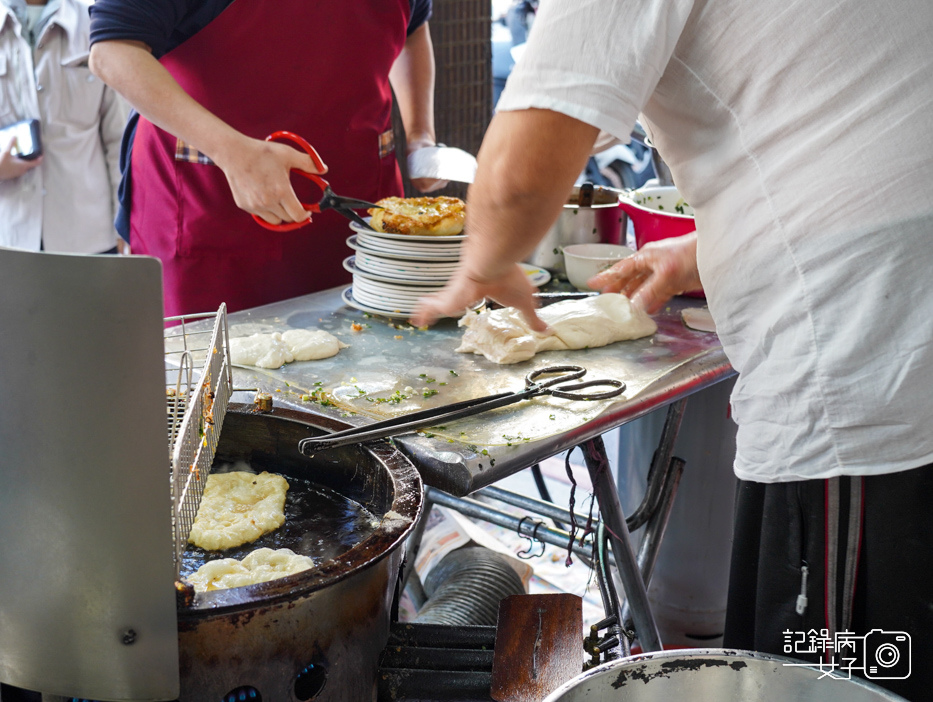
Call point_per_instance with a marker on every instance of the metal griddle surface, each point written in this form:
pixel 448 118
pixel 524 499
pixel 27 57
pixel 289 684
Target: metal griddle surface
pixel 387 355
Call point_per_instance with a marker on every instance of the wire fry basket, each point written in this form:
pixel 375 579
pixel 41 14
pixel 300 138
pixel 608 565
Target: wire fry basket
pixel 195 410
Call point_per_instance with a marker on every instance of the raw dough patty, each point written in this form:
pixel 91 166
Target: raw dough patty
pixel 237 508
pixel 274 350
pixel 419 216
pixel 261 565
pixel 503 336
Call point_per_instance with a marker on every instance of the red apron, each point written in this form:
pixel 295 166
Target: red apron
pixel 317 68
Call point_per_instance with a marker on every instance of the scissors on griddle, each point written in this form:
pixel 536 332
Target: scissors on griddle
pixel 330 200
pixel 560 386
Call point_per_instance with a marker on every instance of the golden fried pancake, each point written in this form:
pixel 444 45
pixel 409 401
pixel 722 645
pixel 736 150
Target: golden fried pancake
pixel 237 508
pixel 260 566
pixel 419 216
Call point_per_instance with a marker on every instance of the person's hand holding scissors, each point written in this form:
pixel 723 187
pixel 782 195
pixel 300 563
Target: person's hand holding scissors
pixel 257 171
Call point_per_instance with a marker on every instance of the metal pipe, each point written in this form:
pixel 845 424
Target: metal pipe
pixel 657 525
pixel 543 491
pixel 547 509
pixel 660 461
pixel 655 528
pixel 520 525
pixel 607 591
pixel 597 463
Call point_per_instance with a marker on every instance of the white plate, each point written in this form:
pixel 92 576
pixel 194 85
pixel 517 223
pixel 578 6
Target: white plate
pixel 536 276
pixel 393 267
pixel 353 243
pixel 407 247
pixel 403 288
pixel 380 287
pixel 404 237
pixel 383 297
pixel 365 260
pixel 383 303
pixel 354 265
pixel 348 299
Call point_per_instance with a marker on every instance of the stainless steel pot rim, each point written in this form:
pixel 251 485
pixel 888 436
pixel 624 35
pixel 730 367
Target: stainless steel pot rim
pixel 695 657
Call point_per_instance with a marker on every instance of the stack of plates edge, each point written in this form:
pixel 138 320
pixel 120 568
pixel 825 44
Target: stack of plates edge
pixel 391 272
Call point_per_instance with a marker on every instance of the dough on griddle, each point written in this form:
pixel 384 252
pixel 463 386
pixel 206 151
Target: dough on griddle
pixel 237 508
pixel 260 566
pixel 260 350
pixel 312 344
pixel 275 350
pixel 503 335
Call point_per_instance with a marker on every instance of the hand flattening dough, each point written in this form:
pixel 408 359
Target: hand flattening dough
pixel 503 336
pixel 260 566
pixel 274 350
pixel 237 508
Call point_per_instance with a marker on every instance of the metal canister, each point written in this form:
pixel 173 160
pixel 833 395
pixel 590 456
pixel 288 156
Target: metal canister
pixel 591 214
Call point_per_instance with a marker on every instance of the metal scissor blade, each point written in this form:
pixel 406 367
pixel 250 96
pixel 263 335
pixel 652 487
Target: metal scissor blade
pixel 346 207
pixel 354 217
pixel 354 204
pixel 410 422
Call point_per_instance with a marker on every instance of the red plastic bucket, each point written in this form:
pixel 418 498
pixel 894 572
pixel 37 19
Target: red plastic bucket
pixel 657 212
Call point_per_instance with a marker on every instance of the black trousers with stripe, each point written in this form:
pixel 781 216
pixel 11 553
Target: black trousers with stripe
pixel 866 544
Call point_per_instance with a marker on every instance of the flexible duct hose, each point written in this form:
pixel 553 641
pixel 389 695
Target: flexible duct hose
pixel 466 586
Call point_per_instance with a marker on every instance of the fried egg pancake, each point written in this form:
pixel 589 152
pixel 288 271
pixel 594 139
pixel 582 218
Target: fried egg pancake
pixel 419 216
pixel 260 566
pixel 237 508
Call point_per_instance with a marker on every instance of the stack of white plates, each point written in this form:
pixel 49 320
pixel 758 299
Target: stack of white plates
pixel 391 272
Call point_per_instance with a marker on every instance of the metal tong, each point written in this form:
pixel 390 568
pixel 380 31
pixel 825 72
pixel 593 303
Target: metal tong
pixel 329 201
pixel 559 386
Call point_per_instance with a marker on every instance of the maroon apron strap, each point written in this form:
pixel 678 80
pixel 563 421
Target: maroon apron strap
pixel 319 69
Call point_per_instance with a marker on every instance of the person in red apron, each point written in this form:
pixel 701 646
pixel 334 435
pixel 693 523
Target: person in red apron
pixel 215 78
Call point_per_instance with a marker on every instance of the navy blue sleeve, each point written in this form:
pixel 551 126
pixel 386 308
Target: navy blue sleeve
pixel 420 13
pixel 160 24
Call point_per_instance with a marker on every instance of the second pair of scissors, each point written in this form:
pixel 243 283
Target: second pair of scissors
pixel 329 201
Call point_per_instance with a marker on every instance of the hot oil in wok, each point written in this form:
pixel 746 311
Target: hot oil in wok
pixel 319 523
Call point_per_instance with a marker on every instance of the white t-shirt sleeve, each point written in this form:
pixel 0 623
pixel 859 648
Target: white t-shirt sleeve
pixel 596 60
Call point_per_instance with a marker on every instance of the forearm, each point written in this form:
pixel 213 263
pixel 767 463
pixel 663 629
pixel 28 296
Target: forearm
pixel 130 69
pixel 521 184
pixel 412 78
pixel 256 170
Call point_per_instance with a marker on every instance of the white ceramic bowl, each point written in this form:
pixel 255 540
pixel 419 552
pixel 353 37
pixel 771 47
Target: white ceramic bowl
pixel 583 261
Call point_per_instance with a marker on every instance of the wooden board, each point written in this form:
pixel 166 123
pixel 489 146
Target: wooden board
pixel 539 646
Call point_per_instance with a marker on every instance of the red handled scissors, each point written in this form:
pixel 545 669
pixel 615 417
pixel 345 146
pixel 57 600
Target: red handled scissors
pixel 330 200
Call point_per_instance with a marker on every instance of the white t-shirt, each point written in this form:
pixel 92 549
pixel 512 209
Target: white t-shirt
pixel 801 133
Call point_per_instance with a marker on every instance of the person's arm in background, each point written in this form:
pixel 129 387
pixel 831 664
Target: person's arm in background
pixel 412 79
pixel 527 166
pixel 113 115
pixel 256 170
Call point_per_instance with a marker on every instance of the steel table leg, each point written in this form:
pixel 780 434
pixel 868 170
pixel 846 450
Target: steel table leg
pixel 597 463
